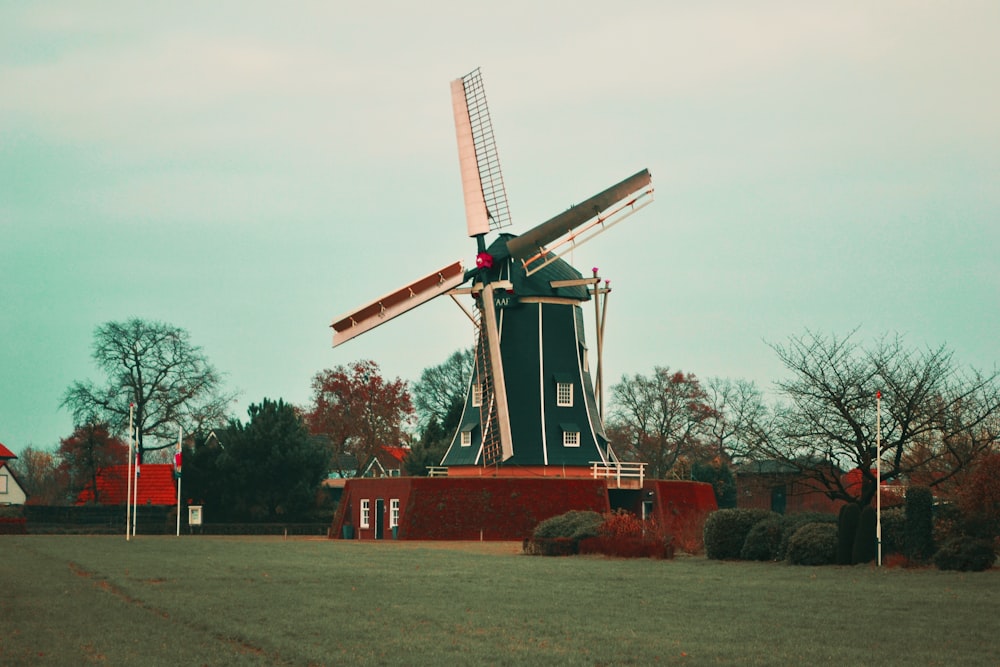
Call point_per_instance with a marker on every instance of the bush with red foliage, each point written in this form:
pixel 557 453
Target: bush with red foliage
pixel 625 535
pixel 979 499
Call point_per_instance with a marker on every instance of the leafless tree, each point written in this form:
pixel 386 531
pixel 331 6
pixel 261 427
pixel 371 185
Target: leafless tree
pixel 153 367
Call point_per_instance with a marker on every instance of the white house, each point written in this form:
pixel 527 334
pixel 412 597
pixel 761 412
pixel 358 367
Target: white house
pixel 11 491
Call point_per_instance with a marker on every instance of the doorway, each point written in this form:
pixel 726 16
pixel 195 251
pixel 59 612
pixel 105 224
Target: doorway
pixel 379 518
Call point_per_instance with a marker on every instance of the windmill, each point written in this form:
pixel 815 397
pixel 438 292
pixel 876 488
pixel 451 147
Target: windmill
pixel 531 401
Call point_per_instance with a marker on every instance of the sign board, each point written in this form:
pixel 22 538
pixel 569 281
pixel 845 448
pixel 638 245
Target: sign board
pixel 194 515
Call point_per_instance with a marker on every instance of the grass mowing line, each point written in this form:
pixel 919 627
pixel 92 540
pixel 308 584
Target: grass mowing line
pixel 324 602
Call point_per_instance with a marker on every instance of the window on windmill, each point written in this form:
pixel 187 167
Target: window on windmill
pixel 564 394
pixel 571 434
pixel 466 439
pixel 365 513
pixel 394 512
pixel 477 395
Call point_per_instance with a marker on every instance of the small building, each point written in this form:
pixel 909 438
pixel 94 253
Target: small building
pixel 11 490
pixel 503 507
pixel 387 462
pixel 780 487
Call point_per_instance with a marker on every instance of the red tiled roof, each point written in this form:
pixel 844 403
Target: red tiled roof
pixel 156 485
pixel 6 453
pixel 398 453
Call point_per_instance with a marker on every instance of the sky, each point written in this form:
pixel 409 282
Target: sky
pixel 249 171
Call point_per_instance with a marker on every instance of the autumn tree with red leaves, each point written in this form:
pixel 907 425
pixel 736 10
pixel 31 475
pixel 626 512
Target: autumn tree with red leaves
pixel 660 418
pixel 90 448
pixel 359 411
pixel 39 473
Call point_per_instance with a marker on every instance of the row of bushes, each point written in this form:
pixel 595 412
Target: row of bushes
pixel 619 534
pixel 822 539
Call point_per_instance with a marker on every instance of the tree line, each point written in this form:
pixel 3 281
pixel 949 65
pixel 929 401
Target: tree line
pixel 937 419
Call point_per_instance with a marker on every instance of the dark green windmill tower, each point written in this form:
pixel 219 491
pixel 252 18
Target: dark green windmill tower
pixel 531 403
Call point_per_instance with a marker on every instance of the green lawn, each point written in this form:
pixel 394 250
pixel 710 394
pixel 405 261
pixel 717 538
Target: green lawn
pixel 196 600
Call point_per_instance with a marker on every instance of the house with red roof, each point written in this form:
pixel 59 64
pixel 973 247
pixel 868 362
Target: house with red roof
pixel 387 462
pixel 11 491
pixel 155 482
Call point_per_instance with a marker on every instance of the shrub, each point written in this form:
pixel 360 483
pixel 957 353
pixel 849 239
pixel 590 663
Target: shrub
pixel 864 542
pixel 813 544
pixel 979 498
pixel 967 554
pixel 795 521
pixel 919 530
pixel 726 531
pixel 764 540
pixel 573 525
pixel 847 530
pixel 550 546
pixel 625 535
pixel 893 529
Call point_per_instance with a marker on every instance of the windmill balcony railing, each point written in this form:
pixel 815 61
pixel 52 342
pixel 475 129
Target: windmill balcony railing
pixel 629 475
pixel 437 471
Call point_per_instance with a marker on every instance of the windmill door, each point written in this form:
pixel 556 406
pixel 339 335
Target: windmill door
pixel 379 518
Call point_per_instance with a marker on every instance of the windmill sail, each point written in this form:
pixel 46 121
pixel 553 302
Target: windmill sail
pixel 533 244
pixel 482 183
pixel 396 303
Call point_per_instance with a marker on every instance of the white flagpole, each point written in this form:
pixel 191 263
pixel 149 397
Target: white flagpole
pixel 128 464
pixel 135 491
pixel 878 474
pixel 180 433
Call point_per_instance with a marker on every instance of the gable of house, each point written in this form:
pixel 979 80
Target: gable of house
pixel 11 491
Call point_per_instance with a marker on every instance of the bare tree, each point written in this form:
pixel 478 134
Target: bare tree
pixel 153 367
pixel 936 418
pixel 739 412
pixel 660 418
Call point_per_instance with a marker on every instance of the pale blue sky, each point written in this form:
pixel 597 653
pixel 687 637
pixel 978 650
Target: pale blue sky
pixel 250 171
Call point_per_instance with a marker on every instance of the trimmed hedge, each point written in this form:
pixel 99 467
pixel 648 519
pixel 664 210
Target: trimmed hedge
pixel 893 530
pixel 966 554
pixel 727 530
pixel 919 523
pixel 813 544
pixel 795 521
pixel 847 531
pixel 573 525
pixel 865 545
pixel 764 540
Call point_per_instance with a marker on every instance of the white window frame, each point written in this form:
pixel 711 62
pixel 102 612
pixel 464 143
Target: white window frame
pixel 3 483
pixel 393 512
pixel 571 438
pixel 477 395
pixel 466 439
pixel 366 513
pixel 564 394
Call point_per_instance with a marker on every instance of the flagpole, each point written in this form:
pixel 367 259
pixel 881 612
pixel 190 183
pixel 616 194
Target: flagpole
pixel 878 474
pixel 177 468
pixel 128 464
pixel 135 492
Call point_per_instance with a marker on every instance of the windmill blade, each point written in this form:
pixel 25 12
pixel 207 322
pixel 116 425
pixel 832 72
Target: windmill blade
pixel 482 183
pixel 535 243
pixel 396 303
pixel 496 369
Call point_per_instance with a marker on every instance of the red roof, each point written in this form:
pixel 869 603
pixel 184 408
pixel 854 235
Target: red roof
pixel 6 453
pixel 156 485
pixel 398 453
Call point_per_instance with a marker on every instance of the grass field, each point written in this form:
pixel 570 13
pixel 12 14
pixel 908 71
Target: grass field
pixel 75 600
